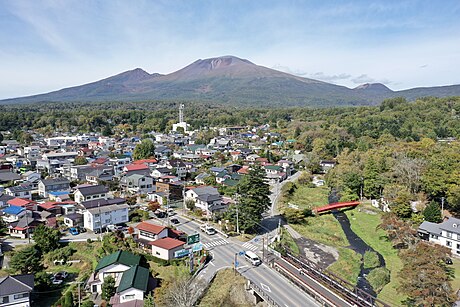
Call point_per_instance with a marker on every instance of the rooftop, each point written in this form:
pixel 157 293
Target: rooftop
pixel 119 257
pixel 167 243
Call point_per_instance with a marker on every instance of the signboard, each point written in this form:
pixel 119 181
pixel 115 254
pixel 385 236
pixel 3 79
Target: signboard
pixel 197 247
pixel 192 239
pixel 181 253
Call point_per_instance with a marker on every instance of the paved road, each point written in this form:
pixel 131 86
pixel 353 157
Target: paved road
pixel 224 251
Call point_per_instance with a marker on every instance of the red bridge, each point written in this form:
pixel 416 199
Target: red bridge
pixel 336 206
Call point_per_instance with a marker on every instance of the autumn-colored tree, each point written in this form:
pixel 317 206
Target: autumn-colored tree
pixel 153 205
pixel 400 233
pixel 424 277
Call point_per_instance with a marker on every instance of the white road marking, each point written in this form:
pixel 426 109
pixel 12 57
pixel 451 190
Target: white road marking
pixel 250 246
pixel 212 263
pixel 265 287
pixel 215 243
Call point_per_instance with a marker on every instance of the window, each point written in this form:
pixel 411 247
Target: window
pixel 157 253
pixel 449 243
pixel 5 299
pixel 434 236
pixel 22 295
pixel 458 246
pixel 449 234
pixel 129 296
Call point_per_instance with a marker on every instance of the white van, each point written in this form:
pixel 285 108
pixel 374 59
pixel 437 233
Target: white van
pixel 252 258
pixel 208 229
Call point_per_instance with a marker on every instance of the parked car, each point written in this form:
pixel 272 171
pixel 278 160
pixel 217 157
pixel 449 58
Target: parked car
pixel 175 221
pixel 57 281
pixel 73 231
pixel 61 275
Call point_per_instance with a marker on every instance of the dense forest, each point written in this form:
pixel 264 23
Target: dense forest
pixel 394 150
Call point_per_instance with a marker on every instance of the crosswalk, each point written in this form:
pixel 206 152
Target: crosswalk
pixel 215 243
pixel 250 246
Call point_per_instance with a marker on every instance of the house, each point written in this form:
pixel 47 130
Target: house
pixel 90 192
pixel 118 164
pixel 15 290
pixel 4 199
pixel 446 233
pixel 206 198
pixel 201 177
pixel 161 172
pixel 140 169
pixel 24 226
pixel 179 167
pixel 21 191
pixel 326 165
pixel 166 247
pixel 100 217
pixel 25 203
pixel 137 184
pixel 97 176
pixel 174 190
pixel 275 173
pixel 148 232
pixel 7 176
pixel 12 214
pixel 55 184
pixel 133 284
pixel 112 265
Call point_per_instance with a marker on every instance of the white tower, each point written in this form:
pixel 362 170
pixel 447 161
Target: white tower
pixel 181 113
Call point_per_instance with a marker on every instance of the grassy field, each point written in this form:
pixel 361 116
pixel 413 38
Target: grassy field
pixel 365 226
pixel 225 293
pixel 306 197
pixel 324 229
pixel 456 280
pixel 348 265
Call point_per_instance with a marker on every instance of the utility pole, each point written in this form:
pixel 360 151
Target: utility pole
pixel 27 226
pixel 237 220
pixel 442 207
pixel 79 295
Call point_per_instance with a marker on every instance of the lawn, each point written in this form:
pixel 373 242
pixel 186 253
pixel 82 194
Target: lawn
pixel 225 293
pixel 365 226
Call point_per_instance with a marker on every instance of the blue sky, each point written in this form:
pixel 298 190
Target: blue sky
pixel 48 45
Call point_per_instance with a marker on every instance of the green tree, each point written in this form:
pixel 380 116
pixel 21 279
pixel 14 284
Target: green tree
pixel 108 288
pixel 27 260
pixel 210 180
pixel 46 238
pixel 432 213
pixel 294 216
pixel 68 299
pixel 88 303
pixel 453 199
pixel 149 300
pixel 144 150
pixel 107 131
pixel 80 160
pixel 253 199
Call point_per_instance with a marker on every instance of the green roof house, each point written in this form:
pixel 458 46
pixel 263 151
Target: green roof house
pixel 113 265
pixel 133 284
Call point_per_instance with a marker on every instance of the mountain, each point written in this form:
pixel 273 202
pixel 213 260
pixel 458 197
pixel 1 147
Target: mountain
pixel 231 80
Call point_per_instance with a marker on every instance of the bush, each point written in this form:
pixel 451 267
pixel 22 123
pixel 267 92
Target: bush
pixel 293 216
pixel 378 278
pixel 371 260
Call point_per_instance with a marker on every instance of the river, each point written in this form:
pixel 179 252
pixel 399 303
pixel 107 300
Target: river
pixel 358 245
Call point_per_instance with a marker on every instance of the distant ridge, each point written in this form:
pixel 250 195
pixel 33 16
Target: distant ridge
pixel 230 80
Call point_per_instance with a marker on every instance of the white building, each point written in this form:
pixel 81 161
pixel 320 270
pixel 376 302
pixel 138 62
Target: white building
pixel 206 198
pixel 100 217
pixel 15 290
pixel 446 233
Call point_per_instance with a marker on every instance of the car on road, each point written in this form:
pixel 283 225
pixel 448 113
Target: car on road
pixel 175 221
pixel 57 281
pixel 252 258
pixel 207 229
pixel 74 231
